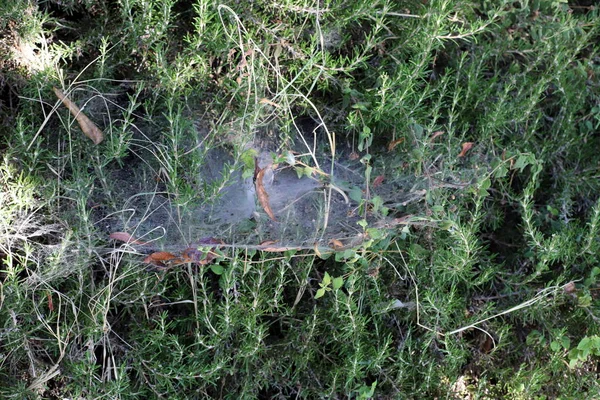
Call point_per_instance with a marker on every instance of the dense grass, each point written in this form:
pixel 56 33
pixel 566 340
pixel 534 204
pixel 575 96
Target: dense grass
pixel 483 284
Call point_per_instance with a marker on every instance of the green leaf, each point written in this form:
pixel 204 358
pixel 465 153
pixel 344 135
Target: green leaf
pixel 320 293
pixel 501 172
pixel 326 279
pixel 375 233
pixel 595 345
pixel 573 363
pixel 338 282
pixel 585 344
pixel 485 184
pixel 248 158
pixel 523 161
pixel 217 269
pixel 446 225
pixel 377 202
pixel 404 232
pixel 355 194
pixel 554 346
pixel 418 130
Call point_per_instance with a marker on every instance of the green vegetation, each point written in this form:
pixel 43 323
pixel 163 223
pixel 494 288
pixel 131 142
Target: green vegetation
pixel 484 285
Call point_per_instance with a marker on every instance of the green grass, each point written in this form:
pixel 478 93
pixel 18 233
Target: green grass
pixel 488 290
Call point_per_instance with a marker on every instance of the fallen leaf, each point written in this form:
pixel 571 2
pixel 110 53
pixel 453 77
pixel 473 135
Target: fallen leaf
pixel 336 244
pixel 354 156
pixel 159 258
pixel 50 303
pixel 276 249
pixel 465 148
pixel 405 220
pixel 436 134
pixel 267 242
pixel 87 126
pixel 126 237
pixel 269 102
pixel 395 143
pixel 193 255
pixel 378 181
pixel 263 196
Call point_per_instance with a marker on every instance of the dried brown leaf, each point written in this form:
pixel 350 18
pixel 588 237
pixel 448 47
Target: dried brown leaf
pixel 261 193
pixel 336 244
pixel 395 143
pixel 378 181
pixel 126 237
pixel 160 258
pixel 50 303
pixel 275 249
pixel 269 102
pixel 87 126
pixel 435 135
pixel 465 148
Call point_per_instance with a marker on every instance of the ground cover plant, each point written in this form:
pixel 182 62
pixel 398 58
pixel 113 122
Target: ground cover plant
pixel 299 199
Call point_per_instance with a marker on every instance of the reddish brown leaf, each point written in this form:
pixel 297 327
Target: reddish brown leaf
pixel 435 135
pixel 261 193
pixel 378 181
pixel 395 143
pixel 87 126
pixel 50 303
pixel 465 148
pixel 126 237
pixel 160 258
pixel 354 156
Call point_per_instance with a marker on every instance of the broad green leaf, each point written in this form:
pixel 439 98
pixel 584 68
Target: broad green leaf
pixel 523 161
pixel 501 171
pixel 338 282
pixel 377 202
pixel 217 269
pixel 355 194
pixel 320 293
pixel 326 279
